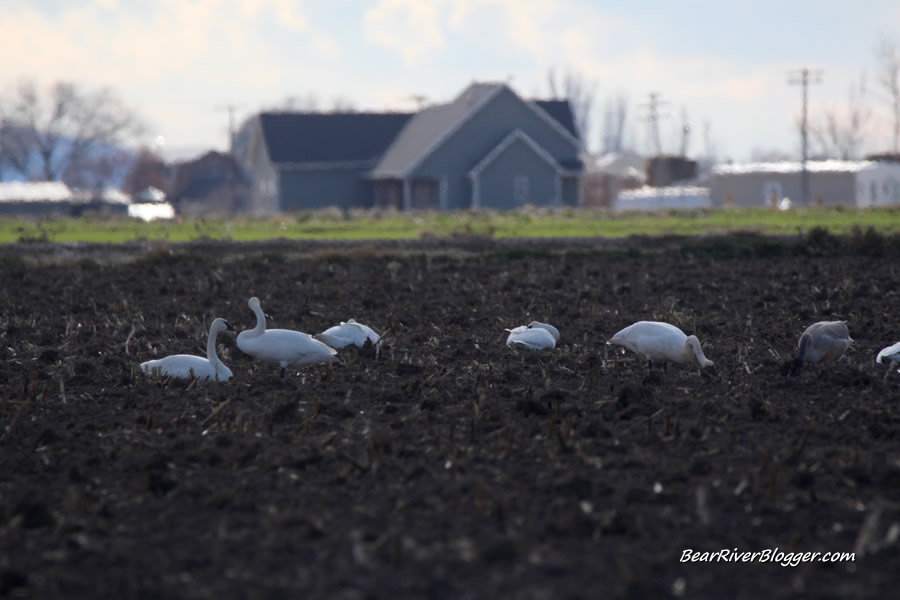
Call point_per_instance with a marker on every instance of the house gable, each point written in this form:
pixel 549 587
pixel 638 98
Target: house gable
pixel 431 129
pixel 502 114
pixel 516 172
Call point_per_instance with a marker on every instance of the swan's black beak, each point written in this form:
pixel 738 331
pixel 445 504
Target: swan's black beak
pixel 229 326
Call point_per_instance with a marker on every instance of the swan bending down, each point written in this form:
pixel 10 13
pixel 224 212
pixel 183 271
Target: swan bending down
pixel 823 342
pixel 654 340
pixel 283 346
pixel 185 366
pixel 891 356
pixel 348 333
pixel 534 336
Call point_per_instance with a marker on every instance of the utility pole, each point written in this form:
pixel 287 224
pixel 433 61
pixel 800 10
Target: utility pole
pixel 685 133
pixel 804 77
pixel 230 108
pixel 653 117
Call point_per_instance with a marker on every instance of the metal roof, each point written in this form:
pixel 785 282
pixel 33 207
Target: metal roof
pixel 813 166
pixel 34 191
pixel 561 111
pixel 329 137
pixel 427 129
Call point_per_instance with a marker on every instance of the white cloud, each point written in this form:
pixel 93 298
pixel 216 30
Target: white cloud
pixel 286 12
pixel 174 64
pixel 411 28
pixel 175 61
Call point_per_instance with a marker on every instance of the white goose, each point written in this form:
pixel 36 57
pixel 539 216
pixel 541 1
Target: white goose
pixel 825 342
pixel 891 356
pixel 185 366
pixel 654 340
pixel 534 336
pixel 282 346
pixel 348 333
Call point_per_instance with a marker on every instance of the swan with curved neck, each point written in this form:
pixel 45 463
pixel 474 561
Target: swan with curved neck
pixel 186 366
pixel 534 336
pixel 283 346
pixel 654 340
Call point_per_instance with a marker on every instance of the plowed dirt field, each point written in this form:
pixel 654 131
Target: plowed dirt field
pixel 448 466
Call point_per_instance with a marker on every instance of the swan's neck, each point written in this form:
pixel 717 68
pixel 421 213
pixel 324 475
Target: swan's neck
pixel 694 351
pixel 260 322
pixel 211 347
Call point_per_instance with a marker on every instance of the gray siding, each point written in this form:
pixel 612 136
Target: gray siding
pixel 571 191
pixel 463 149
pixel 518 176
pixel 264 186
pixel 311 189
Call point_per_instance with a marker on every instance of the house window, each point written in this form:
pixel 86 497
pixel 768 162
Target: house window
pixel 520 189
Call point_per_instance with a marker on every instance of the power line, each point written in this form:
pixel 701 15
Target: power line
pixel 804 77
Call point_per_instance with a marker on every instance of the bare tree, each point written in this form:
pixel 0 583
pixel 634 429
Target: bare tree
pixel 843 131
pixel 615 115
pixel 580 93
pixel 69 134
pixel 889 81
pixel 306 103
pixel 310 103
pixel 339 104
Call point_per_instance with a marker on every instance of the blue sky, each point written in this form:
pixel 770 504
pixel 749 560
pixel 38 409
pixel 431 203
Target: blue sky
pixel 177 62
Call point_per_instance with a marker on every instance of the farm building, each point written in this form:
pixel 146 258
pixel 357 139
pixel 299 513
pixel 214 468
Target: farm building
pixel 671 197
pixel 488 148
pixel 208 185
pixel 46 198
pixel 607 174
pixel 831 182
pixel 149 204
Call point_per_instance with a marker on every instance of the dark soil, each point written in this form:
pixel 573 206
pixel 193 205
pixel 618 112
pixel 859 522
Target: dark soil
pixel 450 466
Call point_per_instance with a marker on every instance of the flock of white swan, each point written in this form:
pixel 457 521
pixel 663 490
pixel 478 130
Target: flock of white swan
pixel 822 342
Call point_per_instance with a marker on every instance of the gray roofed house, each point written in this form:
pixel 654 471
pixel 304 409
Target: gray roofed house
pixel 486 148
pixel 314 160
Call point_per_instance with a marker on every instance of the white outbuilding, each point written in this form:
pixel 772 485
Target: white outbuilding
pixel 670 197
pixel 859 183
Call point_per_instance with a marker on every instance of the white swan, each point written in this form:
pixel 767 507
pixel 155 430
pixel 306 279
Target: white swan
pixel 654 340
pixel 534 336
pixel 823 342
pixel 185 366
pixel 282 346
pixel 891 356
pixel 348 333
